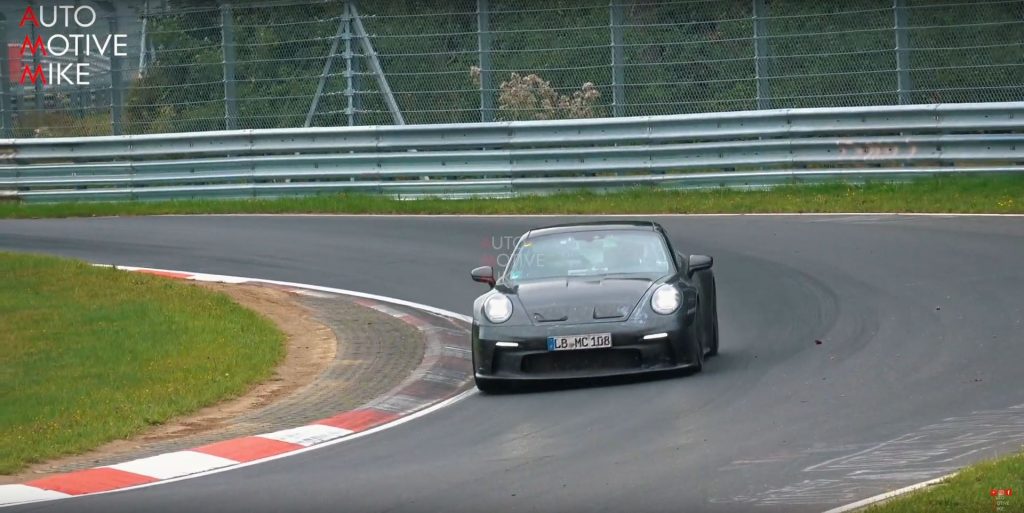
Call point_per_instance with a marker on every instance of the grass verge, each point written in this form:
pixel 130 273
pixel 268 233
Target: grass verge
pixel 968 194
pixel 969 491
pixel 89 355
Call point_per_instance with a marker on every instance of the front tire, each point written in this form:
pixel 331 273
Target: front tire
pixel 696 336
pixel 713 348
pixel 709 314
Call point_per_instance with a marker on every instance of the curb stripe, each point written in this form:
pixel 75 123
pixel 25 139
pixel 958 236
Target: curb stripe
pixel 307 435
pixel 247 449
pixel 24 493
pixel 91 481
pixel 359 420
pixel 173 464
pixel 397 422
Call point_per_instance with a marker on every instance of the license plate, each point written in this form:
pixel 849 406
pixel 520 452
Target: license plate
pixel 571 342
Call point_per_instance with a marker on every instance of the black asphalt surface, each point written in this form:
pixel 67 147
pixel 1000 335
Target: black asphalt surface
pixel 918 370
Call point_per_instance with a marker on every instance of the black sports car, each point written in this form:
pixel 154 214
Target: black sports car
pixel 593 299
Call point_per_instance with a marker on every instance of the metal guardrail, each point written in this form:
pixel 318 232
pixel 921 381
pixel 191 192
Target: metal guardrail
pixel 743 149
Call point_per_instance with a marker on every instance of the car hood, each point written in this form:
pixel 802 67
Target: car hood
pixel 577 300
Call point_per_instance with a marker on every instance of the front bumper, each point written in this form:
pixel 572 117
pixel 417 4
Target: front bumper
pixel 629 353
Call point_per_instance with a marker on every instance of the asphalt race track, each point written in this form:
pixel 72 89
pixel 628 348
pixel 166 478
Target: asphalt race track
pixel 921 323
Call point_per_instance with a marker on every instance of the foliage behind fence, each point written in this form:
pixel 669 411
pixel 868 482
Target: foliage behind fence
pixel 678 56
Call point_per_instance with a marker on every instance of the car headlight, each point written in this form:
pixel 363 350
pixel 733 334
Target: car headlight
pixel 498 308
pixel 665 299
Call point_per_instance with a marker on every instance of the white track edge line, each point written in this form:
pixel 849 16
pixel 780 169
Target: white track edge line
pixel 888 495
pixel 418 306
pixel 397 422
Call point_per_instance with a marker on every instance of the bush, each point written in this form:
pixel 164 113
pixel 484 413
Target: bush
pixel 531 97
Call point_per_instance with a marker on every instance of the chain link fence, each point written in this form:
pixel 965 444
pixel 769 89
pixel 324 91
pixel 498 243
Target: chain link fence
pixel 194 66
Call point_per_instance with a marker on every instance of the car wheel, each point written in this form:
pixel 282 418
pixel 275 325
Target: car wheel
pixel 710 318
pixel 713 347
pixel 696 336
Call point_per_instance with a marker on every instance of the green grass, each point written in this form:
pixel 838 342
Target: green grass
pixel 969 194
pixel 968 491
pixel 89 355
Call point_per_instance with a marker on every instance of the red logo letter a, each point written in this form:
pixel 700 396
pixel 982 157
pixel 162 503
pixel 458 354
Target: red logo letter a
pixel 29 15
pixel 37 46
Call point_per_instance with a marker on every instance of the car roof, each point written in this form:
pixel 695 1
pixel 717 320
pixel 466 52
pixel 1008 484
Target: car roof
pixel 593 226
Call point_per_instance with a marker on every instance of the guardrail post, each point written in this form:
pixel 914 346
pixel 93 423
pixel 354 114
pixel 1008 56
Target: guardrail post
pixel 483 33
pixel 904 86
pixel 5 83
pixel 116 88
pixel 761 54
pixel 617 14
pixel 228 52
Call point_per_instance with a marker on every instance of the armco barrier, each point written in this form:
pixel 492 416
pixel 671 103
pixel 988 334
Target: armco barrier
pixel 732 149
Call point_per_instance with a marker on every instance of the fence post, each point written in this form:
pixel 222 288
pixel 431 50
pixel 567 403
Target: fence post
pixel 36 83
pixel 761 54
pixel 228 52
pixel 116 88
pixel 483 32
pixel 80 91
pixel 142 38
pixel 350 112
pixel 904 86
pixel 617 15
pixel 5 83
pixel 344 32
pixel 356 73
pixel 375 66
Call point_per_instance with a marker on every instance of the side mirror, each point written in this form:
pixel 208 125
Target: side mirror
pixel 699 263
pixel 484 274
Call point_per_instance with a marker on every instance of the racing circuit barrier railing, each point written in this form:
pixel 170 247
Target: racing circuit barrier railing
pixel 733 149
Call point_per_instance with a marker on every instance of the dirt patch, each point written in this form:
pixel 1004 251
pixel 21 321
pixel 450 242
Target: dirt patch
pixel 311 346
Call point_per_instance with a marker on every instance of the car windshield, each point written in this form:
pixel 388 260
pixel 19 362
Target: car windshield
pixel 589 253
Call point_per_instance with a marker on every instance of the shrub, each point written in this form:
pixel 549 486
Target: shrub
pixel 531 97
